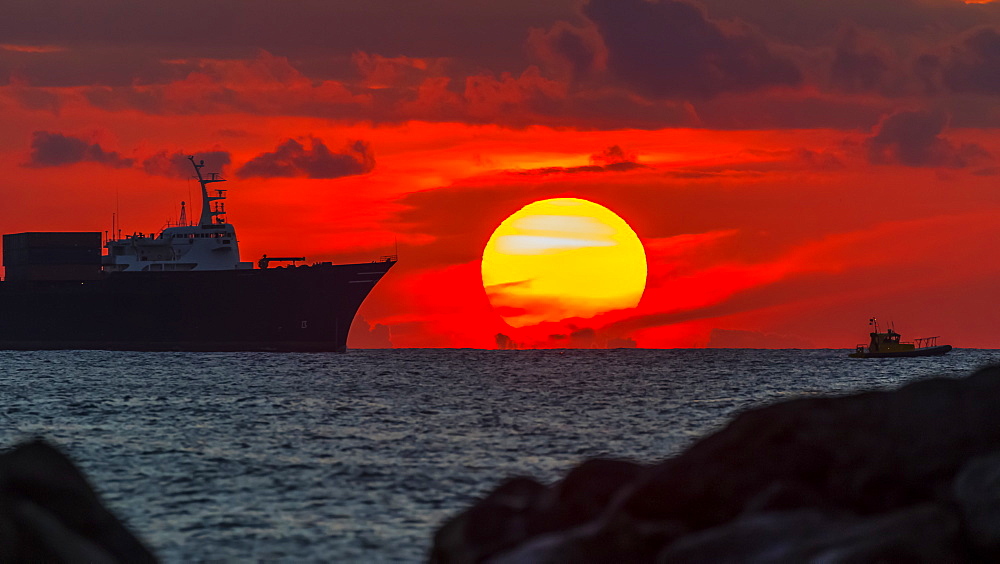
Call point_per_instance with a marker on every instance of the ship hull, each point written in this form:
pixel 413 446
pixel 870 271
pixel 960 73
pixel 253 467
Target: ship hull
pixel 293 309
pixel 924 351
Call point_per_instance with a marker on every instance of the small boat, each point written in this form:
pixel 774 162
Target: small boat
pixel 887 345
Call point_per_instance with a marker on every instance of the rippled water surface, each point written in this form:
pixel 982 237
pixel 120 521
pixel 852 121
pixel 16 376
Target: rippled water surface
pixel 360 456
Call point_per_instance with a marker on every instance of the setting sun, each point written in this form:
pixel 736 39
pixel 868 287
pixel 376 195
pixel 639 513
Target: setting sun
pixel 561 258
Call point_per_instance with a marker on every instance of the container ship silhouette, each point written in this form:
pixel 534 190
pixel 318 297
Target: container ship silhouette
pixel 182 289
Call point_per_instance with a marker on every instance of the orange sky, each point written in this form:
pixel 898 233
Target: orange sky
pixel 792 167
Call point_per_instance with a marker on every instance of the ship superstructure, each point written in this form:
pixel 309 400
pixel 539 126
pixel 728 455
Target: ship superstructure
pixel 210 244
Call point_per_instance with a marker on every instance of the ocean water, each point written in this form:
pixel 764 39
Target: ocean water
pixel 358 457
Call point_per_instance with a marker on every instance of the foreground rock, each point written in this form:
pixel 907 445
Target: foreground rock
pixel 49 513
pixel 907 475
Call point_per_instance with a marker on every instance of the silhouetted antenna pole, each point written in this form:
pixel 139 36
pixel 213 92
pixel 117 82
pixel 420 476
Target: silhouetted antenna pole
pixel 118 210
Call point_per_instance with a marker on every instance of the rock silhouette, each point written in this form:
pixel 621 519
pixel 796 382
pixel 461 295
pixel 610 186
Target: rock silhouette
pixel 50 513
pixel 911 474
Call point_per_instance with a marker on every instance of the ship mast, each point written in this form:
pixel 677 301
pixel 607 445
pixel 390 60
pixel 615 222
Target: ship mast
pixel 207 213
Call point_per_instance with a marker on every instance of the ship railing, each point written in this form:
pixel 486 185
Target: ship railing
pixel 926 342
pixel 387 258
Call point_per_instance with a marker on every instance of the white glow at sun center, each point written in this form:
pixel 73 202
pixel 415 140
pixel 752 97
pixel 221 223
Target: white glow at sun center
pixel 539 244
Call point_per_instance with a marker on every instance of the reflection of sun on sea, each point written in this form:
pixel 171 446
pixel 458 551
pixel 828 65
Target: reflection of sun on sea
pixel 560 258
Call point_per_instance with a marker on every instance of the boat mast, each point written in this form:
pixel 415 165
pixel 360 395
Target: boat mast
pixel 207 213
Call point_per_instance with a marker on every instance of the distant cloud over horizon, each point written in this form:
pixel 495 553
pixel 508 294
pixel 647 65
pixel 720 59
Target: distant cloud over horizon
pixel 913 138
pixel 612 159
pixel 293 159
pixel 55 149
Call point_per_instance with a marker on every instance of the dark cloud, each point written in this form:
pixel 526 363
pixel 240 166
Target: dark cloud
pixel 271 85
pixel 813 23
pixel 927 68
pixel 55 149
pixel 855 69
pixel 574 48
pixel 109 65
pixel 489 33
pixel 896 47
pixel 974 65
pixel 580 51
pixel 670 49
pixel 292 159
pixel 530 98
pixel 913 138
pixel 177 165
pixel 382 90
pixel 694 63
pixel 819 160
pixel 614 155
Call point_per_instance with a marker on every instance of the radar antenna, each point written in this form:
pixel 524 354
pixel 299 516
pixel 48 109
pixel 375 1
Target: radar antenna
pixel 209 215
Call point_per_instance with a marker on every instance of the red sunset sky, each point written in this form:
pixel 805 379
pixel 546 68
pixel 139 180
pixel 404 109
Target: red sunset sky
pixel 792 167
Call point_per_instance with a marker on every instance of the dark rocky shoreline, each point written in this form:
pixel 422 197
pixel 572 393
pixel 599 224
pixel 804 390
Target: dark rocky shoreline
pixel 50 513
pixel 911 474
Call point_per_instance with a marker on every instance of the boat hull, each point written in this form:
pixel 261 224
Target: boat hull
pixel 923 351
pixel 294 309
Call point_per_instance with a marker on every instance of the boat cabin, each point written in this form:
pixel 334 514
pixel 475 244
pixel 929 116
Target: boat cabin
pixel 886 342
